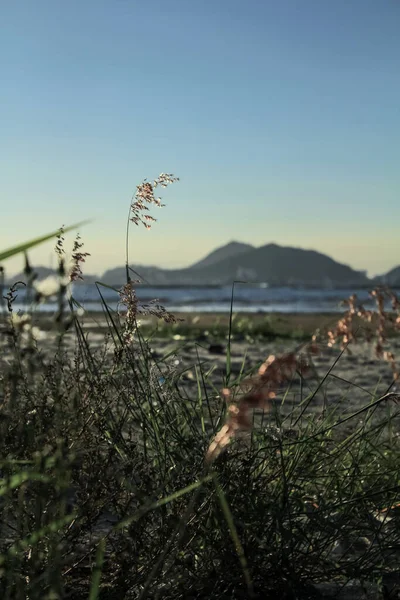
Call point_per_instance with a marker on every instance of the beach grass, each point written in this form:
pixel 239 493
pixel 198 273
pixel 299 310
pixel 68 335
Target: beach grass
pixel 127 471
pixel 105 492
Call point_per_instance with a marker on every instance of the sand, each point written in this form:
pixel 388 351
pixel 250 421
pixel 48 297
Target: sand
pixel 354 378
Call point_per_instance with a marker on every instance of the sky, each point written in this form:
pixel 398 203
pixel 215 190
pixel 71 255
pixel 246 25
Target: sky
pixel 282 120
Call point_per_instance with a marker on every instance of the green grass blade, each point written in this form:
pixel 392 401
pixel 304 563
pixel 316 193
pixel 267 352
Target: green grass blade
pixel 20 478
pixel 20 546
pixel 40 240
pixel 109 287
pixel 95 586
pixel 234 535
pixel 228 349
pixel 163 501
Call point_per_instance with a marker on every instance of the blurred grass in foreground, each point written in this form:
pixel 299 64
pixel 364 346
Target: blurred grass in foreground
pixel 104 488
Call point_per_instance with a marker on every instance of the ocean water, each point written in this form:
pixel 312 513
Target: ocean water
pixel 246 298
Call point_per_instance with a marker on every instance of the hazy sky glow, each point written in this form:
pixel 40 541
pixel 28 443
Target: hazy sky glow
pixel 281 119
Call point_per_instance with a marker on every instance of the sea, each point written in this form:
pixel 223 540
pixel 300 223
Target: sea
pixel 244 298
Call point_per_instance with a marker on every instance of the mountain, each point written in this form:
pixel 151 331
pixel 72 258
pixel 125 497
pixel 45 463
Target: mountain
pixel 156 276
pixel 149 275
pixel 273 264
pixel 391 278
pixel 277 266
pixel 231 250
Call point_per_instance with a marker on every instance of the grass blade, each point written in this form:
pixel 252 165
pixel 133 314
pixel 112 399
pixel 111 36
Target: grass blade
pixel 234 535
pixel 163 501
pixel 40 240
pixel 95 586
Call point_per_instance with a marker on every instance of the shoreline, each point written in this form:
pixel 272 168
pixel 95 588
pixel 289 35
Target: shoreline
pixel 214 324
pixel 277 322
pixel 185 349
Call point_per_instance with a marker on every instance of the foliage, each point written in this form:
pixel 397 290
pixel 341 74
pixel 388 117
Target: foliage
pixel 105 491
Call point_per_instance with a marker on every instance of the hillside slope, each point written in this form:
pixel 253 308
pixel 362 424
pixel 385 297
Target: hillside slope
pixel 391 278
pixel 231 250
pixel 273 264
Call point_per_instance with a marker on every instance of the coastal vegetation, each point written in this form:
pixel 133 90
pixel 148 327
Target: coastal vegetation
pixel 146 456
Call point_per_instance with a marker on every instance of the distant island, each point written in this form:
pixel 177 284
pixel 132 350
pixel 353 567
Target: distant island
pixel 270 264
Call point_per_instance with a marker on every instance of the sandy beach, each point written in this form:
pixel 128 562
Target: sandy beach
pixel 195 349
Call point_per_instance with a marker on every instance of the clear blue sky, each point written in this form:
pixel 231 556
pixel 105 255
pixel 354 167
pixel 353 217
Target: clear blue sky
pixel 282 119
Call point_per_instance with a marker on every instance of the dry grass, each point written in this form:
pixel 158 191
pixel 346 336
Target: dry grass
pixel 380 324
pixel 105 493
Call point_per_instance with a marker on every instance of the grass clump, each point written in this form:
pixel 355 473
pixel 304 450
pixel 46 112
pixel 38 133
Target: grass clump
pixel 122 478
pixel 104 489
